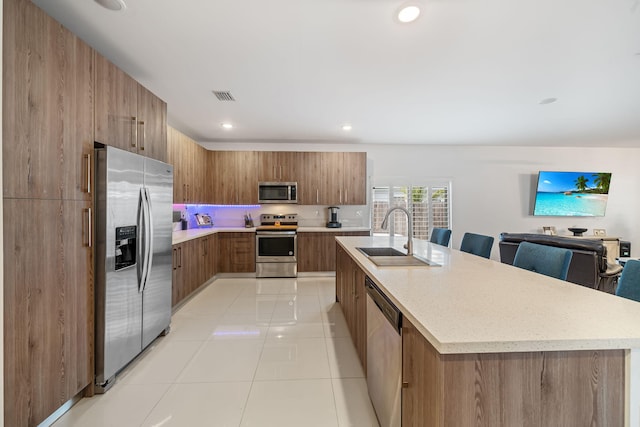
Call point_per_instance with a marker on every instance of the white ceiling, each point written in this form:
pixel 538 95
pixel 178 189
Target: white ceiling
pixel 466 72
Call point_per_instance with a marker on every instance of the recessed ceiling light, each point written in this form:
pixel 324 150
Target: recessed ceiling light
pixel 112 4
pixel 408 13
pixel 548 101
pixel 226 125
pixel 346 127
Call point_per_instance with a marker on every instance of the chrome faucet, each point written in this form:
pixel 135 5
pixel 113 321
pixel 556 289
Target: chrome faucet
pixel 409 245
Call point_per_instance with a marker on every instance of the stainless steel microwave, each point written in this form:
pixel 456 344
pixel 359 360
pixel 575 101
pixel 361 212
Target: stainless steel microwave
pixel 277 192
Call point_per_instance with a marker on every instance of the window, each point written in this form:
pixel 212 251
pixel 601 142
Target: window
pixel 429 205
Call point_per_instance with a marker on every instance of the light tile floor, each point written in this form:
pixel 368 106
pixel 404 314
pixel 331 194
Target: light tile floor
pixel 243 352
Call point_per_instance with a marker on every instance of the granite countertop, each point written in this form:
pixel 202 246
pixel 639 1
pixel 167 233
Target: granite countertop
pixel 474 305
pixel 195 233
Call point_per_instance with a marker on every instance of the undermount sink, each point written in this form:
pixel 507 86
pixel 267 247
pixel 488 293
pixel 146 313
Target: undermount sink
pixel 390 257
pixel 385 252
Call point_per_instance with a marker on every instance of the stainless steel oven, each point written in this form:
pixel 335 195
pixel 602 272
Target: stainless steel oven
pixel 277 246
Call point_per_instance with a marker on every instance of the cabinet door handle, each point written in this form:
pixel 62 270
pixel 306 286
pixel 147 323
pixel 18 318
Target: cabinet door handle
pixel 280 173
pixel 89 228
pixel 134 132
pixel 340 195
pixel 88 164
pixel 144 135
pixel 405 384
pixel 179 257
pixel 317 196
pixel 346 196
pixel 174 257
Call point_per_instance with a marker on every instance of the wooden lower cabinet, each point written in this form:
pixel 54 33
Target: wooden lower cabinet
pixel 351 293
pixel 209 254
pixel 317 250
pixel 237 252
pixel 198 260
pixel 561 388
pixel 48 307
pixel 194 263
pixel 187 270
pixel 178 279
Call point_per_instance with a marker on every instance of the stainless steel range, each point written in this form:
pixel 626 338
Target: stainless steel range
pixel 276 246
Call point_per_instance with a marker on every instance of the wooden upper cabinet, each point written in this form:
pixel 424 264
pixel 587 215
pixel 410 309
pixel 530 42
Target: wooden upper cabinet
pixel 152 125
pixel 309 179
pixel 191 173
pixel 127 115
pixel 116 106
pixel 332 178
pixel 236 177
pixel 247 177
pixel 354 178
pixel 278 166
pixel 223 162
pixel 48 107
pixel 174 158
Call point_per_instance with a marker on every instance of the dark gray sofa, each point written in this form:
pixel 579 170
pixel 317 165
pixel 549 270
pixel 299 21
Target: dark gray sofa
pixel 589 262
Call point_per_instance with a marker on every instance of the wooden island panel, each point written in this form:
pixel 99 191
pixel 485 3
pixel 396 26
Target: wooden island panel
pixel 563 388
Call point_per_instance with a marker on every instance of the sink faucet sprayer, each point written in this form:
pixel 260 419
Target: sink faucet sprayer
pixel 385 221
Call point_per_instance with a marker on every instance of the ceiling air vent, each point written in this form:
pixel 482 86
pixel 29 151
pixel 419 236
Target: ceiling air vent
pixel 223 95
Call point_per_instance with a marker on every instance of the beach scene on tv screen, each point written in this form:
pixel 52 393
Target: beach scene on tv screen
pixel 572 193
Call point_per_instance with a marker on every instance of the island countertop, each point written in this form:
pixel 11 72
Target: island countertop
pixel 469 304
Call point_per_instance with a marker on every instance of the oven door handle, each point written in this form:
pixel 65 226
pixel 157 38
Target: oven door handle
pixel 276 233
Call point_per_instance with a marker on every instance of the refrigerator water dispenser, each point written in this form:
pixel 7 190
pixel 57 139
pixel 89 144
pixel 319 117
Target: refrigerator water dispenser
pixel 126 246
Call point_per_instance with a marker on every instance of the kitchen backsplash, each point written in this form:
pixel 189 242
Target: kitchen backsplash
pixel 308 216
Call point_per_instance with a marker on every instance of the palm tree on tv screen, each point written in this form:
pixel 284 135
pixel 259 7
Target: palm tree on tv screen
pixel 602 181
pixel 581 183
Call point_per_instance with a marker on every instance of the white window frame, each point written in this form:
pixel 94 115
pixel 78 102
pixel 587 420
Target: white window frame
pixel 394 194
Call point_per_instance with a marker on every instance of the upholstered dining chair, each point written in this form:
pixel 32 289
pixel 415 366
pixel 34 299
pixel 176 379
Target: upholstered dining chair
pixel 629 281
pixel 543 259
pixel 477 244
pixel 440 236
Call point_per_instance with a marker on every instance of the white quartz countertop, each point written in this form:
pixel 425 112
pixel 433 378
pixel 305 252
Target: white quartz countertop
pixel 474 305
pixel 195 233
pixel 331 230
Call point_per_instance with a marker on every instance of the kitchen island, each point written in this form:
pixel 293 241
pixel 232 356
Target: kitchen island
pixel 486 343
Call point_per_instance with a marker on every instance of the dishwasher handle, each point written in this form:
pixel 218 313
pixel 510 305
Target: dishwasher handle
pixel 387 308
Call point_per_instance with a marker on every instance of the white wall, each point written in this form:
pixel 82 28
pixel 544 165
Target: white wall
pixel 493 187
pixel 1 251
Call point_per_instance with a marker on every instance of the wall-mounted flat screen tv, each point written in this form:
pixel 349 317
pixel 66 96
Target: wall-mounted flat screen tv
pixel 572 193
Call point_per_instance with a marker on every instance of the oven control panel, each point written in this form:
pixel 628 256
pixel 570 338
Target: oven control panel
pixel 279 219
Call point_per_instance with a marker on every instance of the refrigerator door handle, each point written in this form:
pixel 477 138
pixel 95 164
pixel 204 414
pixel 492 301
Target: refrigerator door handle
pixel 140 237
pixel 143 268
pixel 149 236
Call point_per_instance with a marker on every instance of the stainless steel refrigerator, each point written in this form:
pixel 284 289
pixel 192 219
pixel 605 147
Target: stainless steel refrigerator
pixel 134 197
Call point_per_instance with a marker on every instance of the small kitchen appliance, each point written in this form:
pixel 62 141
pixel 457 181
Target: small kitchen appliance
pixel 204 220
pixel 277 192
pixel 333 218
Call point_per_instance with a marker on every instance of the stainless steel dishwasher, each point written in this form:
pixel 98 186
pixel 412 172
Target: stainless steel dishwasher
pixel 384 356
